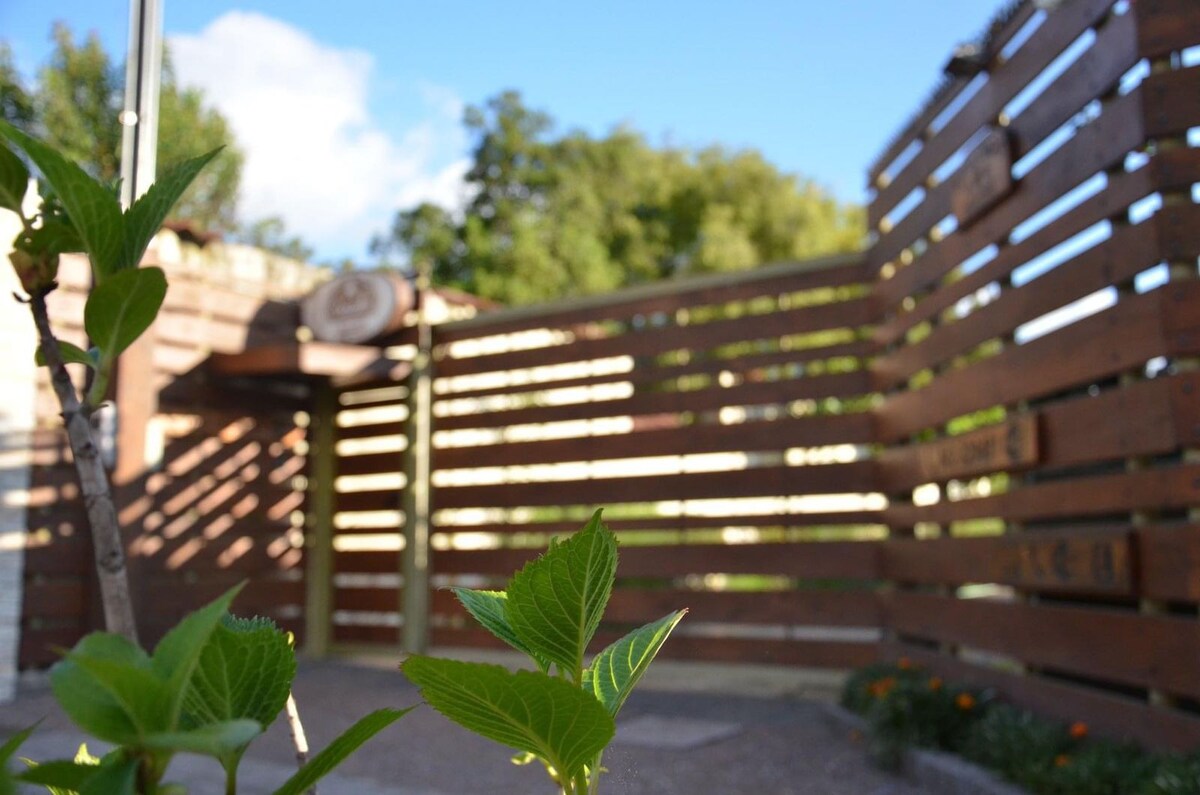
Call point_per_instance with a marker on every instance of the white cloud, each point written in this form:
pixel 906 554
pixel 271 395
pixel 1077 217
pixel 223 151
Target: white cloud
pixel 314 155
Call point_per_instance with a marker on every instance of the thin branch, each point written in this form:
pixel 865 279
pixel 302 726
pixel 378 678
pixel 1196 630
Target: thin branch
pixel 298 739
pixel 93 482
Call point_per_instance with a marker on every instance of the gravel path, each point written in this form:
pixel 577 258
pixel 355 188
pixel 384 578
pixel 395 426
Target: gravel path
pixel 669 743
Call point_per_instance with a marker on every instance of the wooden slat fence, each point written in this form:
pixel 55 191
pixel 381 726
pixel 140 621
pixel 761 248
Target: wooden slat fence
pixel 1037 259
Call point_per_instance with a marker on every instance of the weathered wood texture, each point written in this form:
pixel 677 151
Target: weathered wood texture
pixel 217 506
pixel 1038 427
pixel 980 435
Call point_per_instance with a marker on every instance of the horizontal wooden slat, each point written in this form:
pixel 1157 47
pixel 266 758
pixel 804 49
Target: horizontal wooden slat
pixel 1107 714
pixel 920 124
pixel 757 482
pixel 1116 340
pixel 1163 488
pixel 653 341
pixel 1094 148
pixel 1166 26
pixel 1050 39
pixel 817 560
pixel 1072 432
pixel 1169 559
pixel 55 599
pixel 711 398
pixel 664 297
pixel 1171 235
pixel 753 367
pixel 679 524
pixel 858 608
pixel 1166 170
pixel 685 440
pixel 1139 650
pixel 1092 561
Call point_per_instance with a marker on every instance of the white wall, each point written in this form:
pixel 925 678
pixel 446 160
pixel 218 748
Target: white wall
pixel 17 410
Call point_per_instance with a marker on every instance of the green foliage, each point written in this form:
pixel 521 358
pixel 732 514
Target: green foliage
pixel 905 706
pixel 79 213
pixel 616 671
pixel 550 611
pixel 337 751
pixel 212 685
pixel 565 215
pixel 556 602
pixel 74 108
pixel 525 710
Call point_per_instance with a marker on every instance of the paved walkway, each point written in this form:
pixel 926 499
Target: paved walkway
pixel 693 730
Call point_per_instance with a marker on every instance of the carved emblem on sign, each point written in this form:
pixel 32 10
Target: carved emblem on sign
pixel 1078 563
pixel 356 307
pixel 984 179
pixel 1009 445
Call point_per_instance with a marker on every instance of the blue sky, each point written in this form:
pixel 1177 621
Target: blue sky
pixel 349 110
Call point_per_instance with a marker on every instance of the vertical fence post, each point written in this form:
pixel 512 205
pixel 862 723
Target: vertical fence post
pixel 415 607
pixel 318 611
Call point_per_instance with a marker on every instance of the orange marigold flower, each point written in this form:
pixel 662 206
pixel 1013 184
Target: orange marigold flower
pixel 882 687
pixel 904 664
pixel 1078 730
pixel 935 683
pixel 965 701
pixel 1062 760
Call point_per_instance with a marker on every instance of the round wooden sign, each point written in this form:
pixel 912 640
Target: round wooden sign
pixel 357 307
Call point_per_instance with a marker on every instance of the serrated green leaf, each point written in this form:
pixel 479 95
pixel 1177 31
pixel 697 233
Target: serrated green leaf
pixel 616 670
pixel 122 307
pixel 138 691
pixel 93 210
pixel 91 703
pixel 53 237
pixel 71 354
pixel 526 710
pixel 145 217
pixel 337 751
pixel 116 776
pixel 177 654
pixel 245 671
pixel 215 739
pixel 489 609
pixel 14 180
pixel 556 602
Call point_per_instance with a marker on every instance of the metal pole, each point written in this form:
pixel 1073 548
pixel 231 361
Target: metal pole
pixel 417 469
pixel 139 119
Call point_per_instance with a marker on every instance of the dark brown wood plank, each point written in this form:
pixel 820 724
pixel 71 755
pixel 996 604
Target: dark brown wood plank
pixel 689 439
pixel 757 482
pixel 1171 235
pixel 815 560
pixel 1091 561
pixel 1007 446
pixel 1094 148
pixel 853 313
pixel 678 524
pixel 1166 170
pixel 1114 645
pixel 1166 26
pixel 1169 562
pixel 1055 35
pixel 710 398
pixel 1118 339
pixel 1107 714
pixel 1164 488
pixel 665 297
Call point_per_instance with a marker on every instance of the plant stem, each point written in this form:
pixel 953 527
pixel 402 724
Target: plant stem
pixel 299 740
pixel 93 482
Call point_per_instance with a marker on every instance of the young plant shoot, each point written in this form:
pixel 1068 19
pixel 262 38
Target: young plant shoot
pixel 562 714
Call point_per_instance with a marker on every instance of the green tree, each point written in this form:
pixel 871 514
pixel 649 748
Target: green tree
pixel 556 215
pixel 74 106
pixel 271 234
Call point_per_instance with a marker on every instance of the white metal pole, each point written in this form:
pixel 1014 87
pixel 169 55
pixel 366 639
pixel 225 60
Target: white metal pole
pixel 139 119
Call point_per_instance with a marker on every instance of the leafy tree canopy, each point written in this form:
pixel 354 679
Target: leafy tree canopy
pixel 556 215
pixel 74 106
